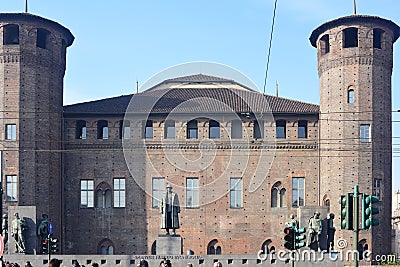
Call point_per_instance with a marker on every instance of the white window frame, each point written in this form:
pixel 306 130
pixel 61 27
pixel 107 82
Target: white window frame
pixel 119 192
pixel 11 131
pixel 157 190
pixel 298 191
pixel 365 133
pixel 236 193
pixel 11 188
pixel 192 192
pixel 87 193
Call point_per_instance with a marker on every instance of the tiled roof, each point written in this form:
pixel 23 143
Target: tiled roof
pixel 198 78
pixel 189 100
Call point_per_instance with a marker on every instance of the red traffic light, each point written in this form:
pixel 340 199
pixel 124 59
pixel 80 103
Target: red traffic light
pixel 288 230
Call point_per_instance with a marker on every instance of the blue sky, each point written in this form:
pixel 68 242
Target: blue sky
pixel 119 42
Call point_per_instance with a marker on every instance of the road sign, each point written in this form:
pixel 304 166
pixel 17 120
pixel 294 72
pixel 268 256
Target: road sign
pixel 50 227
pixel 1 246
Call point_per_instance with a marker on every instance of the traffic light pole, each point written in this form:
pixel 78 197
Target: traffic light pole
pixel 49 246
pixel 355 225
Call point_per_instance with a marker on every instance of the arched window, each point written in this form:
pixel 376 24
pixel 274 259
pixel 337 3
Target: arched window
pixel 103 196
pixel 42 38
pixel 10 34
pixel 324 44
pixel 105 247
pixel 80 132
pixel 350 37
pixel 213 248
pixel 378 33
pixel 350 95
pixel 278 196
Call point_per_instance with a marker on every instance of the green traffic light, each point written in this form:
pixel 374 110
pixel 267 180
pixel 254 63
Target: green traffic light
pixel 299 237
pixel 346 211
pixel 367 211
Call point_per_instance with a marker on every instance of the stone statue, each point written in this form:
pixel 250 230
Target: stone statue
pixel 314 231
pixel 18 227
pixel 331 232
pixel 42 229
pixel 169 208
pixel 4 231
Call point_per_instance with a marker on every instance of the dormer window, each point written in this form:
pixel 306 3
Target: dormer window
pixel 11 34
pixel 42 38
pixel 350 37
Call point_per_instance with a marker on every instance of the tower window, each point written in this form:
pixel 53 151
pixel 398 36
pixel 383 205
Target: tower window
pixel 148 130
pixel 124 129
pixel 365 133
pixel 297 191
pixel 192 192
pixel 102 129
pixel 192 129
pixel 119 192
pixel 87 194
pixel 281 129
pixel 11 132
pixel 11 188
pixel 236 192
pixel 158 188
pixel 169 129
pixel 42 38
pixel 10 34
pixel 378 38
pixel 350 96
pixel 214 130
pixel 302 129
pixel 324 44
pixel 350 37
pixel 80 129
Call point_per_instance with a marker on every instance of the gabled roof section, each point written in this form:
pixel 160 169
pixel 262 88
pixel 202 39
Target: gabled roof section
pixel 187 100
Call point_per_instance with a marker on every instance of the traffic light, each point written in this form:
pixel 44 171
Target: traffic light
pixel 368 210
pixel 54 245
pixel 299 237
pixel 346 211
pixel 289 238
pixel 45 246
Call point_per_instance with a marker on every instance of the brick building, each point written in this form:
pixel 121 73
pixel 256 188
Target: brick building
pixel 241 162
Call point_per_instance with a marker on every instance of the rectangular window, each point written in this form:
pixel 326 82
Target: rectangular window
pixel 148 130
pixel 42 38
pixel 12 187
pixel 11 132
pixel 169 129
pixel 365 133
pixel 281 129
pixel 377 188
pixel 236 129
pixel 119 192
pixel 158 188
pixel 302 129
pixel 214 131
pixel 80 129
pixel 297 191
pixel 192 129
pixel 236 192
pixel 192 192
pixel 378 38
pixel 124 129
pixel 102 129
pixel 350 36
pixel 87 194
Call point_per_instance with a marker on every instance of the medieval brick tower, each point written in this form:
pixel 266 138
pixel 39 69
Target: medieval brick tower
pixel 355 61
pixel 32 67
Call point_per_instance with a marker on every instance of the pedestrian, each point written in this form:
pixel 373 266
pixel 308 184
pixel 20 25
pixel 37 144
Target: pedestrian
pixel 75 263
pixel 54 263
pixel 28 264
pixel 217 264
pixel 95 264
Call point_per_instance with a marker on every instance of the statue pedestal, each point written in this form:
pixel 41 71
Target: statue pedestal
pixel 169 245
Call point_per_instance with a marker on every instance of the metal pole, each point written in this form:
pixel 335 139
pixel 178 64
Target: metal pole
pixel 292 261
pixel 355 7
pixel 355 225
pixel 49 246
